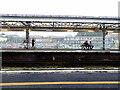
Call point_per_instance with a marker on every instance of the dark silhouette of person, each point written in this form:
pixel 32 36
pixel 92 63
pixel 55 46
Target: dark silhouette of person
pixel 33 42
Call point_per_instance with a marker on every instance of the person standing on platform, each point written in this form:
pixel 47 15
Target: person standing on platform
pixel 33 42
pixel 24 43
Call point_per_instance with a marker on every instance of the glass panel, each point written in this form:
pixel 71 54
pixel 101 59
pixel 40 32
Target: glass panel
pixel 58 40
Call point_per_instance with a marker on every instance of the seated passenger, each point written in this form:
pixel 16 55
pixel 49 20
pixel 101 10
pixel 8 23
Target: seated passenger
pixel 90 46
pixel 86 44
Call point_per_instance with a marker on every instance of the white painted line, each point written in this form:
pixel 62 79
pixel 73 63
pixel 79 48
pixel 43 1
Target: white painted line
pixel 101 51
pixel 43 71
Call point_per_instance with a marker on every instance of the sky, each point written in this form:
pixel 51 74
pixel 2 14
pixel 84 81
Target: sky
pixel 60 7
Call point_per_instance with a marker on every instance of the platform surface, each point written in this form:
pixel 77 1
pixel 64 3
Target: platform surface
pixel 60 50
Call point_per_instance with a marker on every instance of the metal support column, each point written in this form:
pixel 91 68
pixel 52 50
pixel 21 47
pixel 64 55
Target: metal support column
pixel 27 36
pixel 118 30
pixel 119 40
pixel 27 26
pixel 103 28
pixel 104 33
pixel 119 37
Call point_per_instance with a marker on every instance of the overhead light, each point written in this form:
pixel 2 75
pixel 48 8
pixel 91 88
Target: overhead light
pixel 24 30
pixel 49 30
pixel 69 30
pixel 110 31
pixel 30 30
pixel 3 29
pixel 90 31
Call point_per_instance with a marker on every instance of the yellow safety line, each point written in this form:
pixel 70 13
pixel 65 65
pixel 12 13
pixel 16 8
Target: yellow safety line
pixel 53 83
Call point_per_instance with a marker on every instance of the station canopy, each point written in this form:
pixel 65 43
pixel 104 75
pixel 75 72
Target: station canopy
pixel 57 23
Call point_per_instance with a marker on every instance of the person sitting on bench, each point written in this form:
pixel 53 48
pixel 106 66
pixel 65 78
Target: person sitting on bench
pixel 86 44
